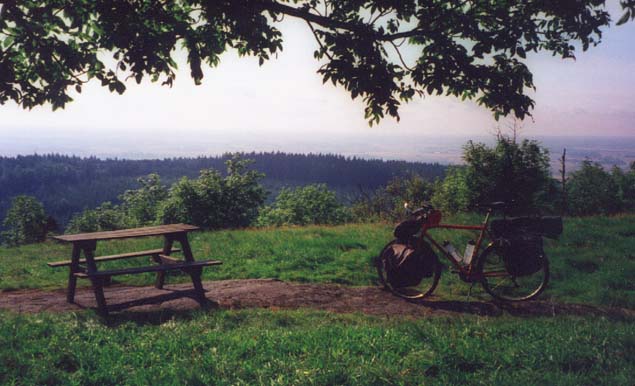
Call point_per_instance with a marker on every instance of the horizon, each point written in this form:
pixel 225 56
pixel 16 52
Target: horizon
pixel 445 150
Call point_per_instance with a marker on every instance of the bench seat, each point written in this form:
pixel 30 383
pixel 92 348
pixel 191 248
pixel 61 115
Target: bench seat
pixel 149 252
pixel 184 265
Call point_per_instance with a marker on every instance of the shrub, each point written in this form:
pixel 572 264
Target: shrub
pixel 311 204
pixel 213 201
pixel 106 217
pixel 452 194
pixel 386 203
pixel 592 190
pixel 26 221
pixel 141 205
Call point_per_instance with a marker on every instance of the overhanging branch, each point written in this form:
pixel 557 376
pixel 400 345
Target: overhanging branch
pixel 327 22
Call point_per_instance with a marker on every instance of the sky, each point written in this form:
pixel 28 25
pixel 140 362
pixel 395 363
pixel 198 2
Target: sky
pixel 284 105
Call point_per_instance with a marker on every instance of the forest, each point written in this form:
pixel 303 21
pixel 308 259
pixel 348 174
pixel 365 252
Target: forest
pixel 69 184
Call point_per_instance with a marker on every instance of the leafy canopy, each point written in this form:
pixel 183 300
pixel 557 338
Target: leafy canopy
pixel 469 49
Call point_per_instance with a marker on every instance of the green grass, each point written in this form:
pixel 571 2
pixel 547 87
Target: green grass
pixel 310 347
pixel 593 262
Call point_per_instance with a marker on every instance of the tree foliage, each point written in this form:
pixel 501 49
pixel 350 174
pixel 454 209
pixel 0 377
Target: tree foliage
pixel 387 202
pixel 26 221
pixel 67 185
pixel 453 193
pixel 213 201
pixel 593 190
pixel 312 204
pixel 469 49
pixel 141 204
pixel 106 217
pixel 510 172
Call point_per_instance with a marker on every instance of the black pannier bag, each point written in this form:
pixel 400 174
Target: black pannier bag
pixel 552 226
pixel 406 229
pixel 522 253
pixel 408 262
pixel 549 226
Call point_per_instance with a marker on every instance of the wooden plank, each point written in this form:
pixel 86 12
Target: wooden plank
pixel 128 233
pixel 165 259
pixel 153 268
pixel 149 252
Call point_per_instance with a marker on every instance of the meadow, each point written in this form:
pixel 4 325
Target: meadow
pixel 592 263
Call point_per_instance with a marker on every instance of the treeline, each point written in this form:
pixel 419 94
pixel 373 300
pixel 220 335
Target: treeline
pixel 517 173
pixel 68 184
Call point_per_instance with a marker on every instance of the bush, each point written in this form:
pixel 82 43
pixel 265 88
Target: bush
pixel 26 221
pixel 141 205
pixel 212 201
pixel 508 172
pixel 386 203
pixel 452 194
pixel 312 204
pixel 592 190
pixel 106 217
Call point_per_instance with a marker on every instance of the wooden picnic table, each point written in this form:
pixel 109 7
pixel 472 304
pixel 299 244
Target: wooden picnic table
pixel 86 244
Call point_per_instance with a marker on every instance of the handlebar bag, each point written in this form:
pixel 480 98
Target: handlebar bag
pixel 406 265
pixel 523 253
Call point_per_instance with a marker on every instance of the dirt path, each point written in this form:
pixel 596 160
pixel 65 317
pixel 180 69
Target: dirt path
pixel 268 293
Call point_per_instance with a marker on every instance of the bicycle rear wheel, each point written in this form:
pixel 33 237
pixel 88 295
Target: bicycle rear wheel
pixel 420 291
pixel 501 285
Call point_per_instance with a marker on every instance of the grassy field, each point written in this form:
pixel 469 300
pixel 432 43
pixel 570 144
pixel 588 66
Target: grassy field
pixel 593 263
pixel 307 347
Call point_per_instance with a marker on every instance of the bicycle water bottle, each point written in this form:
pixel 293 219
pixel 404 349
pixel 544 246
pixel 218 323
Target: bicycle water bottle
pixel 469 251
pixel 449 248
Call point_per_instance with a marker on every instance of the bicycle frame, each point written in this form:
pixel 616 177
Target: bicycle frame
pixel 466 271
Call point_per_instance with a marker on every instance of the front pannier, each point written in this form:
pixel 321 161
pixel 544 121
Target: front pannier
pixel 408 262
pixel 406 229
pixel 522 253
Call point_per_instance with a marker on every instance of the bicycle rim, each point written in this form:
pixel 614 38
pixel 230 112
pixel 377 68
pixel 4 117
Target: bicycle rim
pixel 502 286
pixel 420 291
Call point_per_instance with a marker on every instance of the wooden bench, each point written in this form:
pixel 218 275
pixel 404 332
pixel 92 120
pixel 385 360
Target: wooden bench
pixel 86 268
pixel 98 259
pixel 184 266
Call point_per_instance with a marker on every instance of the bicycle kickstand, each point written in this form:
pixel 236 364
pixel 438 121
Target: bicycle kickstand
pixel 469 292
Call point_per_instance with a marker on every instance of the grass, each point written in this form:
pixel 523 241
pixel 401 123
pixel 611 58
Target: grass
pixel 593 262
pixel 310 347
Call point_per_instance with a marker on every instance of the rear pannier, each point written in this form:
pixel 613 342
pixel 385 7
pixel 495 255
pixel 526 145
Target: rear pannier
pixel 549 226
pixel 408 262
pixel 523 253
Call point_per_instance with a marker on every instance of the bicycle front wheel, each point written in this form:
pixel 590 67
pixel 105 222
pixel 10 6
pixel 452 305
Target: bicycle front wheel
pixel 420 291
pixel 501 285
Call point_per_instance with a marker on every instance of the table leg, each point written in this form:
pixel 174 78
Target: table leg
pixel 72 279
pixel 167 249
pixel 195 274
pixel 98 288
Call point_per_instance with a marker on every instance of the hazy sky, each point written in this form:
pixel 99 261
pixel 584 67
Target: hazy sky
pixel 285 101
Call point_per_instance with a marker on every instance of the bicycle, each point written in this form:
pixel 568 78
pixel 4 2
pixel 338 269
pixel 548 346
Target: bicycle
pixel 487 267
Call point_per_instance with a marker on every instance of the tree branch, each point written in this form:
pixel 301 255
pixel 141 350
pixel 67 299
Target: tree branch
pixel 335 24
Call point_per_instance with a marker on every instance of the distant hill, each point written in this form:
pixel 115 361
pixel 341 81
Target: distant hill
pixel 68 184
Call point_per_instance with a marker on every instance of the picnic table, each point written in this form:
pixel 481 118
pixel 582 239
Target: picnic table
pixel 86 267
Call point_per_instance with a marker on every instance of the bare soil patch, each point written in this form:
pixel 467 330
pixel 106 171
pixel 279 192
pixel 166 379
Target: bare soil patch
pixel 276 294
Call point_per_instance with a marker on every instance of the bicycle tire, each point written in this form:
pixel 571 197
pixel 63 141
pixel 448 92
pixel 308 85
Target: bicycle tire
pixel 421 291
pixel 503 286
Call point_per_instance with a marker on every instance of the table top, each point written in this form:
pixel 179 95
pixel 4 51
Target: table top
pixel 127 233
